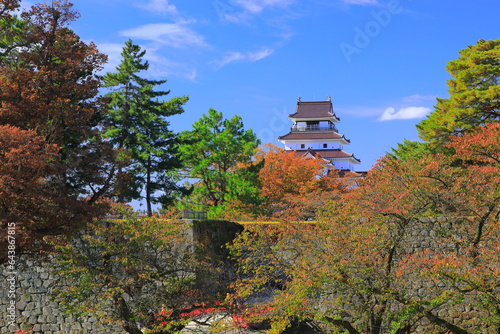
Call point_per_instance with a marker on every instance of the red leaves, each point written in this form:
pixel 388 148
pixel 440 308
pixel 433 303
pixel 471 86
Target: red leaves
pixel 481 145
pixel 24 160
pixel 295 185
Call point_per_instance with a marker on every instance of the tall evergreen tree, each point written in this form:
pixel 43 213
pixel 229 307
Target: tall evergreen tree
pixel 213 153
pixel 474 89
pixel 136 125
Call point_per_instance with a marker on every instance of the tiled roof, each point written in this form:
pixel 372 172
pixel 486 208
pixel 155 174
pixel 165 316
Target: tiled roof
pixel 312 135
pixel 313 109
pixel 329 154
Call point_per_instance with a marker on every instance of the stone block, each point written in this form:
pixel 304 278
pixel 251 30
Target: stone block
pixel 21 305
pixel 47 310
pixel 76 325
pixel 87 325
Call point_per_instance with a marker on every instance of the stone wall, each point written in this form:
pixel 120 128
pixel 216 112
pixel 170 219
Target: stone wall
pixel 34 308
pixel 32 284
pixel 428 234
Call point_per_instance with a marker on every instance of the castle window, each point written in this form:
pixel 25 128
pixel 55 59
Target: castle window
pixel 325 145
pixel 302 145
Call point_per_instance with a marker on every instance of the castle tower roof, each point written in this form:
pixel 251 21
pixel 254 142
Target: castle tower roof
pixel 314 110
pixel 314 133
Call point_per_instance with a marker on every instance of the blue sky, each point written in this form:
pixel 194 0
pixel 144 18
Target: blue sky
pixel 382 62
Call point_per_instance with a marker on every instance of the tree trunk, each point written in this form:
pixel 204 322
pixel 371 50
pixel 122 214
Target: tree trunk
pixel 148 188
pixel 123 310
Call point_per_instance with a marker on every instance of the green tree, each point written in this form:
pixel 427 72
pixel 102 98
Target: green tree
pixel 12 30
pixel 474 93
pixel 131 271
pixel 136 125
pixel 410 149
pixel 212 153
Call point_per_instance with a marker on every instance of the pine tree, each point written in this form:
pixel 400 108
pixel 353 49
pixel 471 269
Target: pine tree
pixel 212 153
pixel 136 125
pixel 474 94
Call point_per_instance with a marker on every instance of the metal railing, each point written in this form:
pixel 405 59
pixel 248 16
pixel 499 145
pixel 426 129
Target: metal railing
pixel 191 214
pixel 299 128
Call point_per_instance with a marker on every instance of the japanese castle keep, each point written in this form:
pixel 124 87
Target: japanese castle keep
pixel 314 132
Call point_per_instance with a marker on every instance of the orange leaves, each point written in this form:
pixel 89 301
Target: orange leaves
pixel 286 172
pixel 480 145
pixel 24 159
pixel 24 166
pixel 295 185
pixel 416 234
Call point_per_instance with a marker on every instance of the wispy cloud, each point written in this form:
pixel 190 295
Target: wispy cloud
pixel 241 11
pixel 417 98
pixel 235 56
pixel 157 6
pixel 391 114
pixel 160 67
pixel 176 35
pixel 257 6
pixel 361 2
pixel 113 51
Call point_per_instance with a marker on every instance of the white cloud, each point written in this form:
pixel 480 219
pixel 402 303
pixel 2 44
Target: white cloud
pixel 417 98
pixel 113 51
pixel 241 11
pixel 260 54
pixel 161 67
pixel 176 35
pixel 235 56
pixel 390 113
pixel 158 6
pixel 257 6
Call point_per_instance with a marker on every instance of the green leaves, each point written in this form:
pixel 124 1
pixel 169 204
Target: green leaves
pixel 212 153
pixel 137 122
pixel 474 93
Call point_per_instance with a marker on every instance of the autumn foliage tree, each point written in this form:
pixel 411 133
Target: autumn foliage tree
pixel 50 88
pixel 145 271
pixel 295 186
pixel 24 164
pixel 362 268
